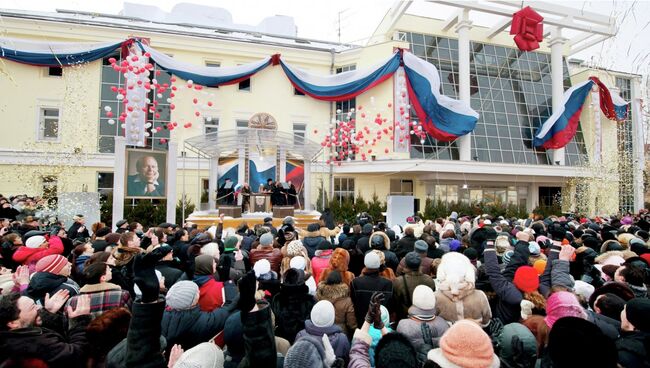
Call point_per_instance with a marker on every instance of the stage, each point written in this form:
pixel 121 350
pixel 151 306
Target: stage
pixel 208 218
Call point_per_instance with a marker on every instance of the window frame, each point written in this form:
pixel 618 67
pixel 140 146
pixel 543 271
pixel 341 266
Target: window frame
pixel 340 194
pixel 211 124
pixel 41 106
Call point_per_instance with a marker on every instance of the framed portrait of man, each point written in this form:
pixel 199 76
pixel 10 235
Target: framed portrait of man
pixel 146 174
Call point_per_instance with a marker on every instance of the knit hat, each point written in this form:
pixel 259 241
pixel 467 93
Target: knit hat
pixel 576 342
pixel 454 245
pixel 203 265
pixel 203 355
pixel 211 249
pixel 371 261
pixel 517 346
pixel 526 279
pixel 35 241
pixel 562 304
pixel 539 266
pixel 230 244
pixel 322 314
pixel 306 352
pixel 506 256
pixel 421 246
pixel 53 264
pixel 637 311
pixel 413 261
pixel 583 289
pixel 395 350
pixel 298 262
pixel 424 301
pixel 367 229
pixel 261 267
pixel 523 236
pixel 266 239
pixel 534 248
pixel 294 248
pixel 182 294
pixel 465 344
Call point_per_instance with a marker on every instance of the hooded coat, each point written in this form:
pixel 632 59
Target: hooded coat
pixel 29 256
pixel 292 305
pixel 403 287
pixel 338 261
pixel 363 287
pixel 311 238
pixel 339 296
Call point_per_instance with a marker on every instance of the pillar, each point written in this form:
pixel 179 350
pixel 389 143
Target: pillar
pixel 119 174
pixel 463 28
pixel 241 167
pixel 638 144
pixel 172 165
pixel 306 187
pixel 557 80
pixel 212 182
pixel 283 165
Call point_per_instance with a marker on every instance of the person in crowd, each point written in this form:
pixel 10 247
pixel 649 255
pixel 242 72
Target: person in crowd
pixel 212 294
pixel 169 267
pixel 52 274
pixel 320 323
pixel 334 290
pixel 321 258
pixel 78 228
pixel 421 326
pixel 421 248
pixel 36 247
pixel 103 294
pixel 363 287
pixel 292 305
pixel 404 286
pixel 265 250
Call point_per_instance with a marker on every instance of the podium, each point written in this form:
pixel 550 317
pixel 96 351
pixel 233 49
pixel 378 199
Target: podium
pixel 260 202
pixel 231 211
pixel 282 211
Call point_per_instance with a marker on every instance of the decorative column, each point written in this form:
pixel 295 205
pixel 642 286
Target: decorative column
pixel 119 174
pixel 172 165
pixel 241 166
pixel 306 186
pixel 557 80
pixel 638 144
pixel 463 27
pixel 212 183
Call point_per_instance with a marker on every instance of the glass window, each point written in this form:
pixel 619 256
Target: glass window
pixel 104 183
pixel 399 186
pixel 48 124
pixel 344 189
pixel 210 125
pixel 242 127
pixel 245 85
pixel 299 131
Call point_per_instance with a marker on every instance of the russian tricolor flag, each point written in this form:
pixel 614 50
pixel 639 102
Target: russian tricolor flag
pixel 620 106
pixel 55 54
pixel 612 104
pixel 559 129
pixel 442 117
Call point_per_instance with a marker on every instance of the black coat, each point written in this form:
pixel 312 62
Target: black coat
pixel 405 245
pixel 634 349
pixel 73 231
pixel 170 272
pixel 362 288
pixel 48 345
pixel 99 245
pixel 45 282
pixel 363 244
pixel 291 306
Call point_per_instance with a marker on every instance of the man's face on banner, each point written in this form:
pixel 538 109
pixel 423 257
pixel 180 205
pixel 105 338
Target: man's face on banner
pixel 149 169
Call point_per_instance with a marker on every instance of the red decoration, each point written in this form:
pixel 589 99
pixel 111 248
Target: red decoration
pixel 527 28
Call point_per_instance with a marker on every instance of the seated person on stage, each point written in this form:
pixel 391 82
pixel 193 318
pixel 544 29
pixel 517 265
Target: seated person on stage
pixel 226 193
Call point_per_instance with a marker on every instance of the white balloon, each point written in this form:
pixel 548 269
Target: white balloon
pixel 208 119
pixel 122 125
pixel 146 134
pixel 159 95
pixel 169 100
pixel 190 82
pixel 147 125
pixel 111 121
pixel 107 108
pixel 119 96
pixel 154 81
pixel 338 111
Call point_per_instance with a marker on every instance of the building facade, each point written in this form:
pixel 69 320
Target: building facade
pixel 59 139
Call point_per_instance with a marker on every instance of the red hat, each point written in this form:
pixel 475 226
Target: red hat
pixel 646 257
pixel 53 264
pixel 526 279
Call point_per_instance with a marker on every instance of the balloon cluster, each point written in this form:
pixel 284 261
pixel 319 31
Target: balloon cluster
pixel 140 82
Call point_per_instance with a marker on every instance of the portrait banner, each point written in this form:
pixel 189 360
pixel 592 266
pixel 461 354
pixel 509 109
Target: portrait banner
pixel 145 174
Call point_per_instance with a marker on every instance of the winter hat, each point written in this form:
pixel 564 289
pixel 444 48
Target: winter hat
pixel 646 257
pixel 506 256
pixel 637 311
pixel 322 314
pixel 395 350
pixel 372 261
pixel 643 235
pixel 298 262
pixel 627 220
pixel 562 304
pixel 454 215
pixel 624 239
pixel 294 248
pixel 53 264
pixel 306 352
pixel 103 232
pixel 526 279
pixel 266 239
pixel 471 254
pixel 367 229
pixel 454 245
pixel 583 289
pixel 261 267
pixel 617 288
pixel 523 236
pixel 424 302
pixel 517 346
pixel 570 337
pixel 35 241
pixel 413 261
pixel 203 265
pixel 377 241
pixel 203 355
pixel 539 266
pixel 182 294
pixel 230 243
pixel 289 221
pixel 324 245
pixel 421 246
pixel 534 248
pixel 638 246
pixel 313 227
pixel 465 344
pixel 211 249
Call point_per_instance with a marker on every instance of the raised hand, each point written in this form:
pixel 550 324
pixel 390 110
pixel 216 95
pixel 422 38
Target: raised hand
pixel 174 355
pixel 21 276
pixel 566 253
pixel 145 274
pixel 83 307
pixel 53 304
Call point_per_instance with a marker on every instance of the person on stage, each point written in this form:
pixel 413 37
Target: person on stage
pixel 226 192
pixel 278 197
pixel 292 195
pixel 269 186
pixel 245 197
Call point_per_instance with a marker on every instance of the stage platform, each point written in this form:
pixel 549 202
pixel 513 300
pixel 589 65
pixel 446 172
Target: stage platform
pixel 208 218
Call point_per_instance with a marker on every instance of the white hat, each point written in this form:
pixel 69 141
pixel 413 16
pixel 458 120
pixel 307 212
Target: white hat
pixel 203 355
pixel 372 261
pixel 584 289
pixel 35 241
pixel 211 249
pixel 261 267
pixel 322 314
pixel 298 262
pixel 424 298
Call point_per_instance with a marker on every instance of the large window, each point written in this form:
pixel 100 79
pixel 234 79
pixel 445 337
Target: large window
pixel 345 110
pixel 210 125
pixel 400 186
pixel 511 91
pixel 625 151
pixel 159 118
pixel 104 183
pixel 477 194
pixel 242 127
pixel 299 131
pixel 344 189
pixel 48 124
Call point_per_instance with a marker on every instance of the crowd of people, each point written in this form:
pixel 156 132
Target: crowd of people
pixel 462 291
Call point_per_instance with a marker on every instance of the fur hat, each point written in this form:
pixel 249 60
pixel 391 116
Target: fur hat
pixel 413 261
pixel 108 329
pixel 583 289
pixel 562 304
pixel 53 263
pixel 455 273
pixel 294 248
pixel 203 355
pixel 617 288
pixel 465 345
pixel 395 350
pixel 571 336
pixel 322 314
pixel 182 294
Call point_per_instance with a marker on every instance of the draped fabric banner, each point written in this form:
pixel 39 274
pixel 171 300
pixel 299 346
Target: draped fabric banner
pixel 54 54
pixel 442 117
pixel 342 86
pixel 205 75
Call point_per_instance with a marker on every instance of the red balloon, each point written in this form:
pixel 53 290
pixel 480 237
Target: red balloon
pixel 315 131
pixel 173 79
pixel 113 88
pixel 172 106
pixel 386 150
pixel 209 103
pixel 109 114
pixel 390 104
pixel 197 113
pixel 196 100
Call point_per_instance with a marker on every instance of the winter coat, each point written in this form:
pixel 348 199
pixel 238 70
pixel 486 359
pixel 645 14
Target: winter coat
pixel 363 244
pixel 311 240
pixel 339 296
pixel 99 245
pixel 273 255
pixel 180 251
pixel 210 293
pixel 359 352
pixel 46 282
pixel 103 297
pixel 169 272
pixel 405 245
pixel 259 340
pixel 191 327
pixel 50 346
pixel 291 307
pixel 507 307
pixel 363 287
pixel 337 338
pixel 634 349
pixel 73 231
pixel 403 287
pixel 608 326
pixel 425 265
pixel 412 329
pixel 29 256
pixel 320 262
